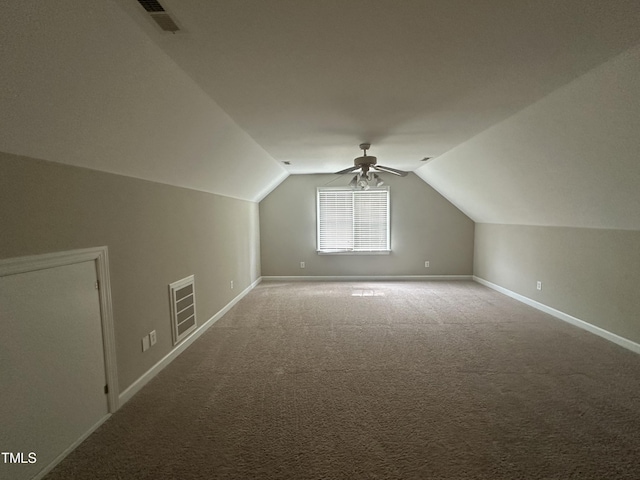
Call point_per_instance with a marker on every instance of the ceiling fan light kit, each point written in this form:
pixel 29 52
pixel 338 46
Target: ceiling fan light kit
pixel 364 181
pixel 364 163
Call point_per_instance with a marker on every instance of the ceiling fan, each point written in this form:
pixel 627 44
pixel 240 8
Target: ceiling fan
pixel 365 163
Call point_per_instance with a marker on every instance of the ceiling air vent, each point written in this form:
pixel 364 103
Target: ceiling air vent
pixel 151 5
pixel 159 15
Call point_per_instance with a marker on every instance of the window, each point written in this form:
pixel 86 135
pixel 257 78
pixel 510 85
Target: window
pixel 352 221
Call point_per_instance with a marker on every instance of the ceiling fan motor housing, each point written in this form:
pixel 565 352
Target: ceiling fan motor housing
pixel 365 160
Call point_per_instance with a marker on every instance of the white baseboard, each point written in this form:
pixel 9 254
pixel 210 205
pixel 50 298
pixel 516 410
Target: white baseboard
pixel 357 278
pixel 136 386
pixel 70 449
pixel 612 337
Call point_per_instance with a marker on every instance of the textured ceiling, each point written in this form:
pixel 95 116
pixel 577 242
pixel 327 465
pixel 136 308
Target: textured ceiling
pixel 310 80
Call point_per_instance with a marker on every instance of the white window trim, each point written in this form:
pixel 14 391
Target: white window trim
pixel 351 252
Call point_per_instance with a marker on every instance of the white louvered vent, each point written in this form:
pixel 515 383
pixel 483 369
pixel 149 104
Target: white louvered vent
pixel 159 15
pixel 182 296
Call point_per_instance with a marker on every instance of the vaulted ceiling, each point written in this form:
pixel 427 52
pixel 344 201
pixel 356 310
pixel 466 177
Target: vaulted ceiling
pixel 246 86
pixel 310 80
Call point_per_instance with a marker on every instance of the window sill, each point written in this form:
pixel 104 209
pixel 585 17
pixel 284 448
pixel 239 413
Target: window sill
pixel 377 252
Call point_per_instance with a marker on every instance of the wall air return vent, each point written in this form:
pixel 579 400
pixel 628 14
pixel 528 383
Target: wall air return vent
pixel 159 15
pixel 182 296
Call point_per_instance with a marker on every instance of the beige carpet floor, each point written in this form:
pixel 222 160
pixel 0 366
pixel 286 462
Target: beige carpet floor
pixel 397 380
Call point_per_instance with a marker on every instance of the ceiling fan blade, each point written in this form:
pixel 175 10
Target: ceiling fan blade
pixel 347 170
pixel 382 168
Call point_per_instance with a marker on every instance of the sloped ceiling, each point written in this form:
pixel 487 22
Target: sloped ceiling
pixel 570 159
pixel 309 80
pixel 247 85
pixel 83 85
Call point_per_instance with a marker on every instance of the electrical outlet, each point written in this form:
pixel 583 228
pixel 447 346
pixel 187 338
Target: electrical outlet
pixel 145 343
pixel 426 264
pixel 539 285
pixel 153 338
pixel 231 284
pixel 301 264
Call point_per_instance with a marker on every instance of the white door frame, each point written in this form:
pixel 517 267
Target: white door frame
pixel 100 256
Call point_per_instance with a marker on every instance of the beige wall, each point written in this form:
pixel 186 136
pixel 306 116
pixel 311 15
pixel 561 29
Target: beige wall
pixel 591 274
pixel 156 234
pixel 424 226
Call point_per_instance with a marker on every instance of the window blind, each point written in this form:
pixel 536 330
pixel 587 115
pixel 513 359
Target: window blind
pixel 353 220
